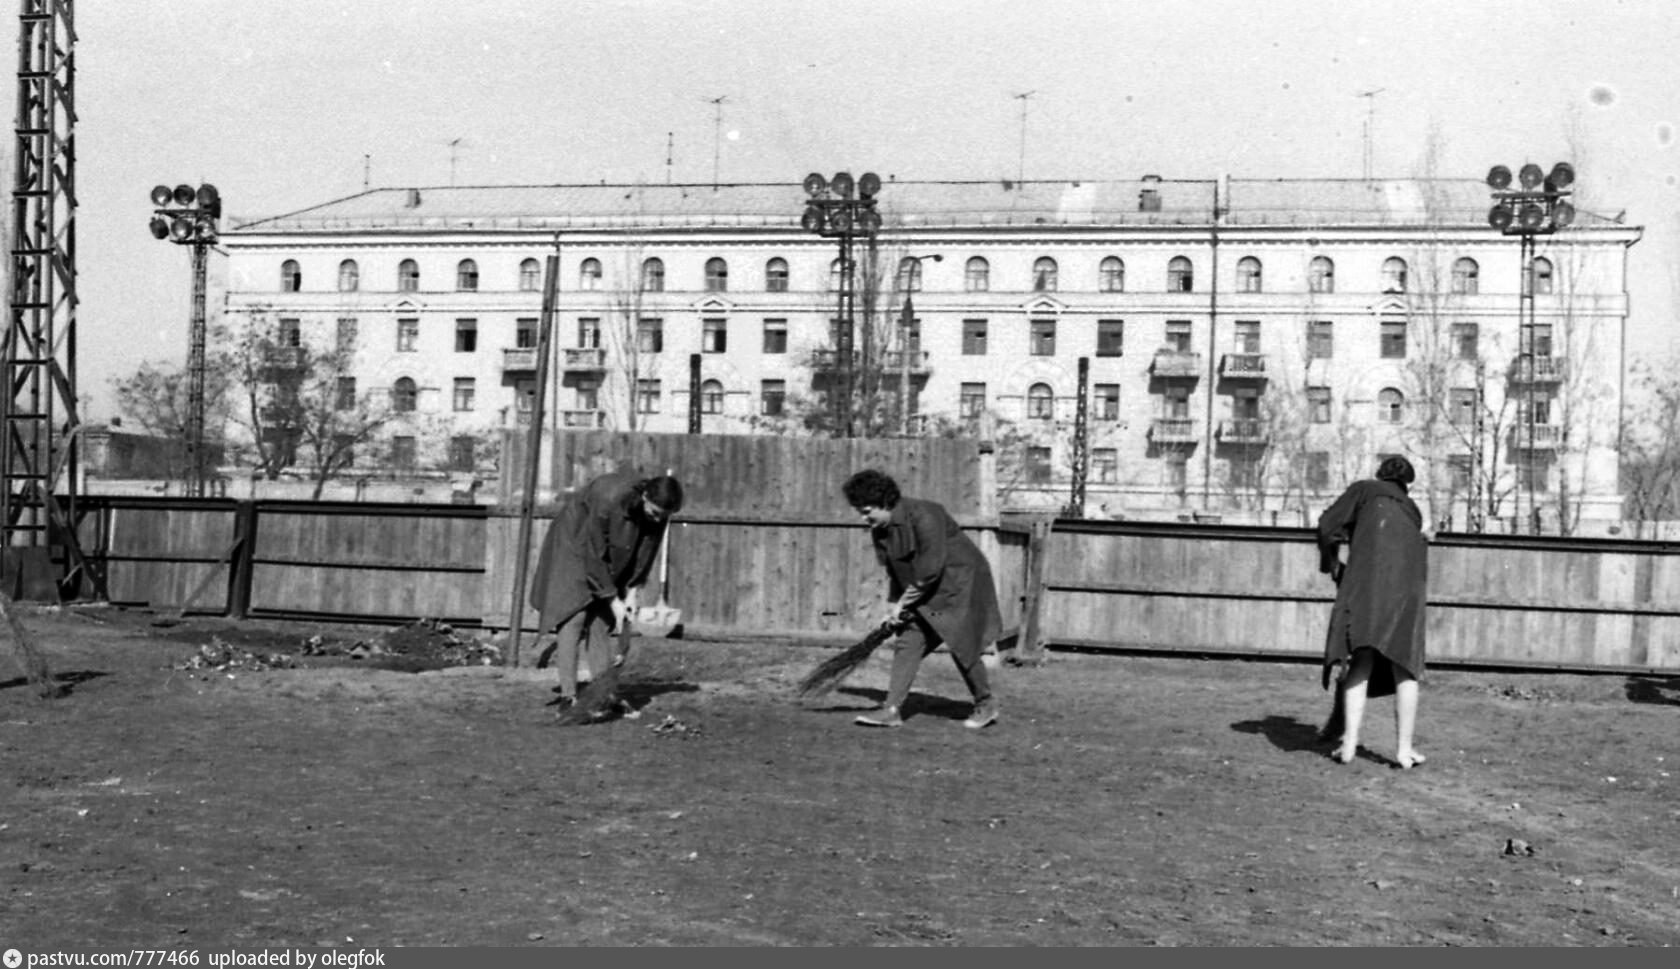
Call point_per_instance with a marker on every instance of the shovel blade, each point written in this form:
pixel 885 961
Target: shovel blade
pixel 658 621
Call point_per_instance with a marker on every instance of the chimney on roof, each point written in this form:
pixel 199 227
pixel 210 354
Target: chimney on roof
pixel 413 199
pixel 1149 199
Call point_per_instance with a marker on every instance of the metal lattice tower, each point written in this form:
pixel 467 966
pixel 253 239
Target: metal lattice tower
pixel 39 429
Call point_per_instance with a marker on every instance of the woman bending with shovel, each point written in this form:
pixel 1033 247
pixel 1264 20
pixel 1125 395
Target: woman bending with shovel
pixel 596 555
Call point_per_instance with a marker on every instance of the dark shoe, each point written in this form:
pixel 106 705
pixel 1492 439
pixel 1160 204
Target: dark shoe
pixel 886 717
pixel 985 714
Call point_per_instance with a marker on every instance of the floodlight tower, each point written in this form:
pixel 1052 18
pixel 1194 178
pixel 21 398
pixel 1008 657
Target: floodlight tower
pixel 188 217
pixel 843 210
pixel 1538 207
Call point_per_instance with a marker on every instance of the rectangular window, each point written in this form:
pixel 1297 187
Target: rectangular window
pixel 1043 338
pixel 1535 339
pixel 772 397
pixel 345 399
pixel 525 396
pixel 1106 402
pixel 775 336
pixel 525 333
pixel 1533 468
pixel 588 395
pixel 972 400
pixel 714 335
pixel 461 457
pixel 912 335
pixel 1175 403
pixel 1461 407
pixel 1248 336
pixel 1537 401
pixel 403 454
pixel 1245 405
pixel 1321 339
pixel 1178 336
pixel 1105 465
pixel 1464 338
pixel 345 446
pixel 1393 339
pixel 1038 465
pixel 974 338
pixel 1111 337
pixel 647 396
pixel 466 336
pixel 1178 473
pixel 1318 405
pixel 650 335
pixel 408 334
pixel 465 389
pixel 1460 467
pixel 1316 470
pixel 589 333
pixel 291 332
pixel 346 334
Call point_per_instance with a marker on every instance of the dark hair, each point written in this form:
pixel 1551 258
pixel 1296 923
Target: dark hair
pixel 871 487
pixel 664 491
pixel 1398 470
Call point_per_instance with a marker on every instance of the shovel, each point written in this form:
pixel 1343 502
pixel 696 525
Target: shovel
pixel 661 619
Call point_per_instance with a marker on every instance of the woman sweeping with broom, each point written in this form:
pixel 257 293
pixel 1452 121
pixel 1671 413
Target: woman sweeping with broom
pixel 939 589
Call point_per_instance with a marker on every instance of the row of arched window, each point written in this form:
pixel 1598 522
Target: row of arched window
pixel 1111 275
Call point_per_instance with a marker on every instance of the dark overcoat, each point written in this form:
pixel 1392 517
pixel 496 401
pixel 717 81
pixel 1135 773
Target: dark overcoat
pixel 599 545
pixel 1380 595
pixel 936 570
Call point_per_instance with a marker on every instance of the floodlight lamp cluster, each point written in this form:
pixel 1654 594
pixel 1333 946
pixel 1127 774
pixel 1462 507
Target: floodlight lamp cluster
pixel 1538 206
pixel 185 214
pixel 841 205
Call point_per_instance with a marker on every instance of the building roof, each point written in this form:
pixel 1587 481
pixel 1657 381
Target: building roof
pixel 902 204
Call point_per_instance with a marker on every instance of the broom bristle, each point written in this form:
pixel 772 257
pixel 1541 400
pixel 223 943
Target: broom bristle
pixel 836 668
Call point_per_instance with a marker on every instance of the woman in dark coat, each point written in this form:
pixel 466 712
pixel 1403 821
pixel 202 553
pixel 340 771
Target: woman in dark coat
pixel 940 585
pixel 597 553
pixel 1375 644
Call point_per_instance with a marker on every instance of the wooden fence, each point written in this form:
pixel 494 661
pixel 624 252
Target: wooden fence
pixel 1493 600
pixel 357 562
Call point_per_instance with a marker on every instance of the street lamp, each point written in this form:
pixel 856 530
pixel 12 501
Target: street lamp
pixel 187 216
pixel 910 272
pixel 843 209
pixel 1538 206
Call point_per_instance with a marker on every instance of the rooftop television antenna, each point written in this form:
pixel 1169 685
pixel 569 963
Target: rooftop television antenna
pixel 1021 162
pixel 1370 125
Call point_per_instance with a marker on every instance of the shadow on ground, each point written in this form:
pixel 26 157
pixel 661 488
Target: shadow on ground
pixel 1663 690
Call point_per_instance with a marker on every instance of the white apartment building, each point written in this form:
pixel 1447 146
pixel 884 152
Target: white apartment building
pixel 1250 346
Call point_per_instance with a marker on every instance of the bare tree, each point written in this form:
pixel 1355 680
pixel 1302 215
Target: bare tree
pixel 636 340
pixel 1650 459
pixel 154 398
pixel 302 402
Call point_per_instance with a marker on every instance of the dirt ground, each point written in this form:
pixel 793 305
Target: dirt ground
pixel 212 784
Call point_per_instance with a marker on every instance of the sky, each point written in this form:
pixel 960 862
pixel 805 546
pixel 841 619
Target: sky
pixel 284 104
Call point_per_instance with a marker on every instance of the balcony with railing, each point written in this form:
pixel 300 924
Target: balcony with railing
pixel 828 361
pixel 1243 430
pixel 581 360
pixel 1243 366
pixel 519 360
pixel 283 358
pixel 1178 364
pixel 1528 369
pixel 896 361
pixel 1544 437
pixel 1172 430
pixel 588 419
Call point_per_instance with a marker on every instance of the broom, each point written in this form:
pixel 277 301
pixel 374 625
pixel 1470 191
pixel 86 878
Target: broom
pixel 831 671
pixel 600 694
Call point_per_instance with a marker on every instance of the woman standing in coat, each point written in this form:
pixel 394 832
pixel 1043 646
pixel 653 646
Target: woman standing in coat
pixel 596 555
pixel 1375 644
pixel 938 582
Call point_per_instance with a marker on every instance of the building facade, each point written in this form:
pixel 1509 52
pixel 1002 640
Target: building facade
pixel 1248 347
